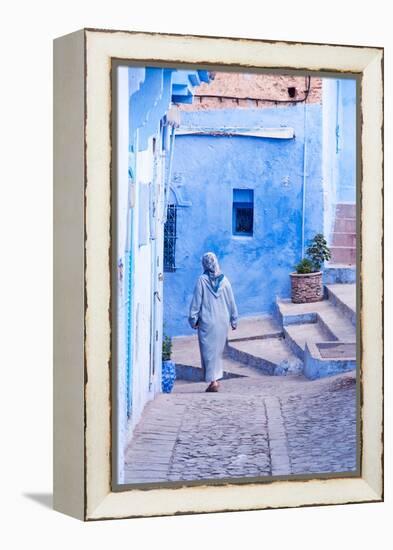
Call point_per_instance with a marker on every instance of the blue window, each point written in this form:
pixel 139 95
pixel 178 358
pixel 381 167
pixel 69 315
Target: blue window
pixel 243 212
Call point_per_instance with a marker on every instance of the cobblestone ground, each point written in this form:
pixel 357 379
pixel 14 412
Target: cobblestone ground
pixel 255 426
pixel 228 439
pixel 321 430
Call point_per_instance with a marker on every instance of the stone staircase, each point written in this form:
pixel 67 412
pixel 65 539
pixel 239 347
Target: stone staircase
pixel 343 245
pixel 322 334
pixel 316 339
pixel 259 343
pixel 256 347
pixel 342 266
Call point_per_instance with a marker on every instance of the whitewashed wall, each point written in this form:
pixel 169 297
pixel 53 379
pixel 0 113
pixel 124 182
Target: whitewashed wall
pixel 142 290
pixel 329 174
pixel 122 218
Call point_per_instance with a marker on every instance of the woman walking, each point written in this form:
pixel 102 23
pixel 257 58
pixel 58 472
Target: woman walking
pixel 212 310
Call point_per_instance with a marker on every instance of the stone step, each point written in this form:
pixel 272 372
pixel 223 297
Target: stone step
pixel 345 225
pixel 296 336
pixel 344 239
pixel 295 314
pixel 270 355
pixel 335 273
pixel 186 355
pixel 258 327
pixel 343 255
pixel 323 312
pixel 343 296
pixel 321 334
pixel 195 373
pixel 338 324
pixel 328 359
pixel 346 210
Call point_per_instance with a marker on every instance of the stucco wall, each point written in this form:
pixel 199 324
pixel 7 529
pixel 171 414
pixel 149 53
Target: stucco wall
pixel 339 146
pixel 330 159
pixel 347 140
pixel 207 169
pixel 141 296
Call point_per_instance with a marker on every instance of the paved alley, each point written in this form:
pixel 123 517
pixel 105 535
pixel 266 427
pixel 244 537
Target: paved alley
pixel 257 425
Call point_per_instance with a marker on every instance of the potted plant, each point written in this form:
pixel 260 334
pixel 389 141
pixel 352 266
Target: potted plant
pixel 168 367
pixel 306 281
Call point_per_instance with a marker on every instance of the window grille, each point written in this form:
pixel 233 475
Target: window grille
pixel 244 220
pixel 243 212
pixel 170 239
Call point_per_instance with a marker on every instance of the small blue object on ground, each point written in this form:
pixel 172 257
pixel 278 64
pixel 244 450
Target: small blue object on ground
pixel 168 376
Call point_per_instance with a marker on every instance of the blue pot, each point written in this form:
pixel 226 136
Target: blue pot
pixel 168 376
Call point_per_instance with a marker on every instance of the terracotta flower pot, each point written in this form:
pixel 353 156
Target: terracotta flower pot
pixel 306 287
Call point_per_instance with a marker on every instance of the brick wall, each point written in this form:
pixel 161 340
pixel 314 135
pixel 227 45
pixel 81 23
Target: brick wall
pixel 258 87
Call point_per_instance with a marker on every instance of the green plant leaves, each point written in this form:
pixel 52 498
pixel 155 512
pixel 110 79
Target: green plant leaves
pixel 317 253
pixel 166 348
pixel 304 266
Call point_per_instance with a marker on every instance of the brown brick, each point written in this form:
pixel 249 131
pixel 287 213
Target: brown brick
pixel 257 86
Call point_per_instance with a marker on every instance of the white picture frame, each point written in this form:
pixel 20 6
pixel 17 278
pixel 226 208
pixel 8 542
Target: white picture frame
pixel 82 292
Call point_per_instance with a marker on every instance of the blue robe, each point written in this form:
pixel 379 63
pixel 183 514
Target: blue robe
pixel 211 312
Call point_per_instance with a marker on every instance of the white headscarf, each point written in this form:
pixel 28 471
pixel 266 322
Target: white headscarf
pixel 212 269
pixel 210 264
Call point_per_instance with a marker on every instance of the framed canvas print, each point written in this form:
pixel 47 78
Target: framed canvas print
pixel 218 274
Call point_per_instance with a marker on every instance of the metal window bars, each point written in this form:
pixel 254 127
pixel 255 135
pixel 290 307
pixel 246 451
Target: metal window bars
pixel 170 239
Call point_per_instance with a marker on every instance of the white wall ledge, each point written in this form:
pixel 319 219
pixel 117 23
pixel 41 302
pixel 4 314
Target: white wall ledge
pixel 272 133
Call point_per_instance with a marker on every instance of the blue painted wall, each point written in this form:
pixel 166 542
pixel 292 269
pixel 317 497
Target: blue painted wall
pixel 347 140
pixel 206 170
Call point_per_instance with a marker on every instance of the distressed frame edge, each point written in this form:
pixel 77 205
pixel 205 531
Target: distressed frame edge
pixel 375 486
pixel 372 270
pixel 357 492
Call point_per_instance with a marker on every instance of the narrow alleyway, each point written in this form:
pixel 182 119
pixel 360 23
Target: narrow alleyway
pixel 257 425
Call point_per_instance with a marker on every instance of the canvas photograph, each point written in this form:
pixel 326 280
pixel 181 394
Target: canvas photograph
pixel 234 275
